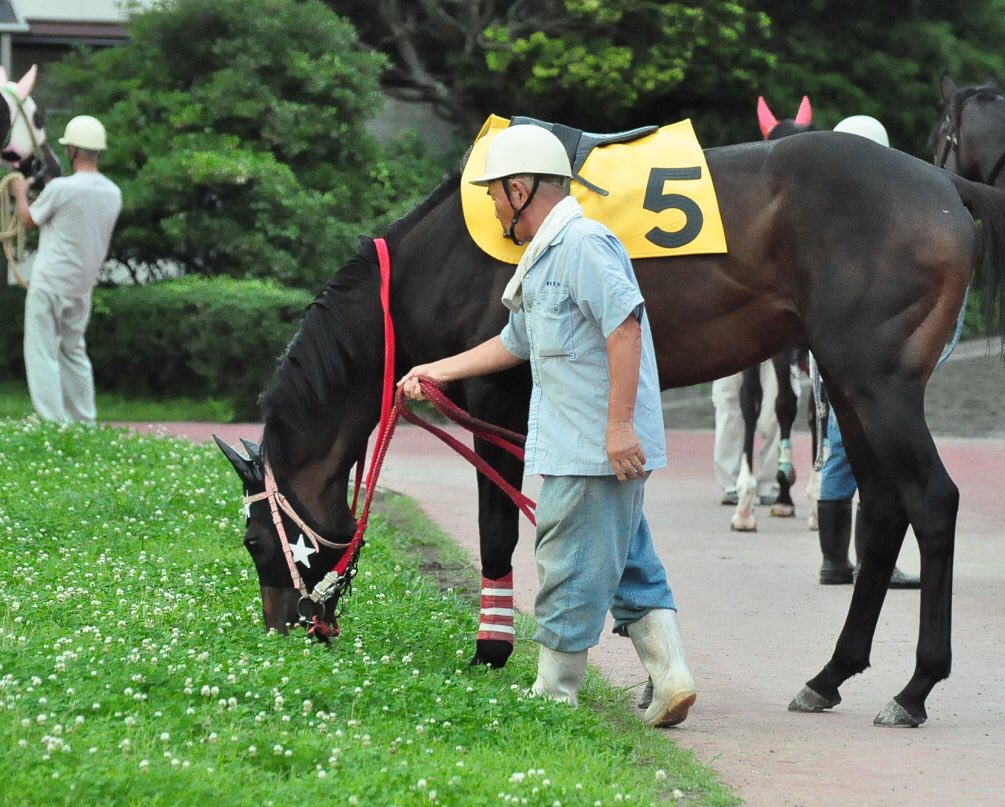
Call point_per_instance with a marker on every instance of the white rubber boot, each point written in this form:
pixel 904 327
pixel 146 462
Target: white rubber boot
pixel 658 642
pixel 559 675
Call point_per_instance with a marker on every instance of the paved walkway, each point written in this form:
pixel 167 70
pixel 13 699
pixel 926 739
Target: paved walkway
pixel 757 625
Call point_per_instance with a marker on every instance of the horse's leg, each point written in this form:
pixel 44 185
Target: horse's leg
pixel 751 395
pixel 786 404
pixel 496 401
pixel 901 480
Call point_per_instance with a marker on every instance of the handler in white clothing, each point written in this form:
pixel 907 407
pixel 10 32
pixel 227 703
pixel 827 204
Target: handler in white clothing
pixel 729 429
pixel 75 216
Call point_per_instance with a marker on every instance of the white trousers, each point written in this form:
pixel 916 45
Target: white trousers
pixel 728 451
pixel 60 378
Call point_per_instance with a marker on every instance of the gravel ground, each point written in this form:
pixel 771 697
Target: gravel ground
pixel 965 398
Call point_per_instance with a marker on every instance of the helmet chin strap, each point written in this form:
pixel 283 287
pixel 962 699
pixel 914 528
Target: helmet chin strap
pixel 511 232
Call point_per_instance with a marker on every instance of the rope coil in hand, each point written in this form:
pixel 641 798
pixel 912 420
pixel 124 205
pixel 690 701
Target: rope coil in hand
pixel 12 232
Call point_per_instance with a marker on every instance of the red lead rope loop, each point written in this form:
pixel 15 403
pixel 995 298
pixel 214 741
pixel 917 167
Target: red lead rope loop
pixel 338 578
pixel 336 581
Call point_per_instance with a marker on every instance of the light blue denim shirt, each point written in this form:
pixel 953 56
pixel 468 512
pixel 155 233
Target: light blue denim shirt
pixel 579 290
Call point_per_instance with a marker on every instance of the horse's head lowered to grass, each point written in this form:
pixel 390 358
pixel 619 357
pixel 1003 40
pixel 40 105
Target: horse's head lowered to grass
pixel 25 147
pixel 290 551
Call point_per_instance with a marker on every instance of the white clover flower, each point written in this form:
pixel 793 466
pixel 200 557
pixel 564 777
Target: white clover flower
pixel 421 784
pixel 144 764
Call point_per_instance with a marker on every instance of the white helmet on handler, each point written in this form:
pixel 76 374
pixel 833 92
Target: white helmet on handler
pixel 85 132
pixel 524 149
pixel 864 126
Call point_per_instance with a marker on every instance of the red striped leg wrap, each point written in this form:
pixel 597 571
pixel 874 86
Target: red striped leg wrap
pixel 497 609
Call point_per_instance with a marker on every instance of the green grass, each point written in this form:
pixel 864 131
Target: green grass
pixel 134 669
pixel 15 403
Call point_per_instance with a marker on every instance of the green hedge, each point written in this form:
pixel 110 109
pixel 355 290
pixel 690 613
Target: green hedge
pixel 212 337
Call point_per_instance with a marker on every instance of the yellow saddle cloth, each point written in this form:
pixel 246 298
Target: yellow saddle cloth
pixel 660 199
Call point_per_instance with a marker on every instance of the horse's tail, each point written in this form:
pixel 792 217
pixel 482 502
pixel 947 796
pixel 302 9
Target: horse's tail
pixel 987 205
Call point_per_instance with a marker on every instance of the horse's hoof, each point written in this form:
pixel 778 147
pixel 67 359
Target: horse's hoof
pixel 492 653
pixel 896 716
pixel 811 521
pixel 743 524
pixel 809 701
pixel 783 510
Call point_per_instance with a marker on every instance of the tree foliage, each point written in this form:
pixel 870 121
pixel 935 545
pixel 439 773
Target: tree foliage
pixel 606 65
pixel 599 65
pixel 237 135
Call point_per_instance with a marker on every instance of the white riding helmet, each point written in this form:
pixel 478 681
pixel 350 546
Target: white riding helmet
pixel 85 132
pixel 865 126
pixel 524 149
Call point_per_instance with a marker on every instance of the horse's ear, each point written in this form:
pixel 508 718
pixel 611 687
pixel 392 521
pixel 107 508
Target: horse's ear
pixel 255 455
pixel 27 83
pixel 765 119
pixel 245 468
pixel 804 117
pixel 253 449
pixel 992 80
pixel 949 88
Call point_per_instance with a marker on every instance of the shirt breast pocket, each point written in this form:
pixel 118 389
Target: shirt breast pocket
pixel 554 331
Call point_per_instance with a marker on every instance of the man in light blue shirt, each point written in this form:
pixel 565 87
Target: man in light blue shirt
pixel 596 425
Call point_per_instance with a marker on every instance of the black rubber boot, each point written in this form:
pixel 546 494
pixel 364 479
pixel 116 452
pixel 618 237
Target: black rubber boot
pixel 834 529
pixel 899 578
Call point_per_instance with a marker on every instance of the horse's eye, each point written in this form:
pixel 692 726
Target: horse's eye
pixel 253 545
pixel 39 119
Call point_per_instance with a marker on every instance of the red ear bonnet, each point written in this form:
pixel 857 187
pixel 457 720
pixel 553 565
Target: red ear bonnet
pixel 765 118
pixel 804 117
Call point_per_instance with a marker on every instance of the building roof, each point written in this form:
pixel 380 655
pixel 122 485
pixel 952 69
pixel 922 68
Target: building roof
pixel 66 22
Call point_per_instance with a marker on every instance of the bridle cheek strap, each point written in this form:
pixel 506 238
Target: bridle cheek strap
pixel 279 504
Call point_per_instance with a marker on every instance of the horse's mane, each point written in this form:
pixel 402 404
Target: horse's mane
pixel 332 342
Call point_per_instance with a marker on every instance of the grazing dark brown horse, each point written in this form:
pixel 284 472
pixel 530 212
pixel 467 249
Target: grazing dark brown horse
pixel 859 251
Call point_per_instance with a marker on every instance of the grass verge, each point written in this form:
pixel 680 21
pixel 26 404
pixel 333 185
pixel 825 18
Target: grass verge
pixel 16 403
pixel 133 667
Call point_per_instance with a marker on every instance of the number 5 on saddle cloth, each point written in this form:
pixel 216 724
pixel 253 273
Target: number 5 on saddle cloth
pixel 651 186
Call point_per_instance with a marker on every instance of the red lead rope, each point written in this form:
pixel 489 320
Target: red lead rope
pixel 394 406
